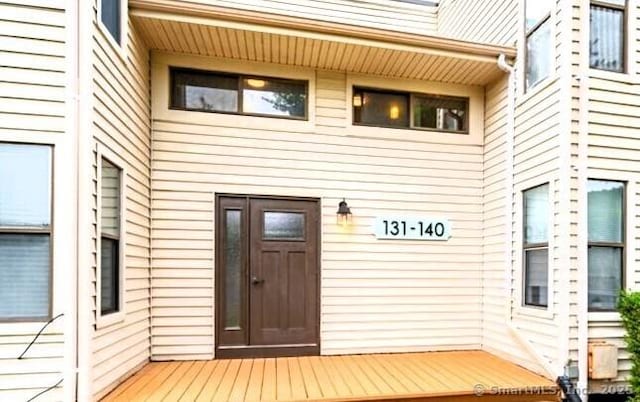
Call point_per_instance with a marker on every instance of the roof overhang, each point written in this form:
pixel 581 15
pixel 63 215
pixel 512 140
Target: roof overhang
pixel 180 26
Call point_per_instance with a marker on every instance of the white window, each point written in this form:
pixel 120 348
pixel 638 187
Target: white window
pixel 111 252
pixel 607 38
pixel 606 243
pixel 25 232
pixel 536 246
pixel 112 20
pixel 538 40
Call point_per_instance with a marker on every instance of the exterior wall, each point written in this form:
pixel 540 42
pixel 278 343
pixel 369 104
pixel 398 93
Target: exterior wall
pixel 377 296
pixel 121 124
pixel 487 21
pixel 33 76
pixel 386 14
pixel 613 152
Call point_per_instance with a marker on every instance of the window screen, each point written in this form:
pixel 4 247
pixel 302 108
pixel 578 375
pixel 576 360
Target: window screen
pixel 25 231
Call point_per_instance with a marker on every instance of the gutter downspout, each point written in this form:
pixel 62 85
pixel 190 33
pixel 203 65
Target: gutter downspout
pixel 84 203
pixel 508 210
pixel 509 160
pixel 71 129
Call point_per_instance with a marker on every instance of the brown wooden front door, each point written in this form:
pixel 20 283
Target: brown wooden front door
pixel 267 277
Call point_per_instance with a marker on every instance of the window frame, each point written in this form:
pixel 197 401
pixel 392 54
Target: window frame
pixel 411 99
pixel 240 77
pixel 535 246
pixel 103 320
pixel 528 32
pixel 621 245
pixel 118 46
pixel 37 231
pixel 625 34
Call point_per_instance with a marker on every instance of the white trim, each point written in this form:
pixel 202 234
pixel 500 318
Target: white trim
pixel 72 108
pixel 85 228
pixel 520 309
pixel 582 241
pixel 473 93
pixel 121 48
pixel 119 316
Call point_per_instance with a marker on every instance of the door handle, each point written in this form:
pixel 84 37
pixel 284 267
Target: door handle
pixel 256 281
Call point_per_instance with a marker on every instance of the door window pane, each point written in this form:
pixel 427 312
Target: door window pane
pixel 233 269
pixel 109 276
pixel 536 277
pixel 539 54
pixel 605 277
pixel 536 215
pixel 283 225
pixel 607 39
pixel 204 91
pixel 25 185
pixel 110 17
pixel 24 275
pixel 536 11
pixel 381 108
pixel 274 97
pixel 447 114
pixel 605 211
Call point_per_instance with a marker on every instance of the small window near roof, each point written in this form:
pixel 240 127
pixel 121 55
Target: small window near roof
pixel 110 15
pixel 205 91
pixel 392 109
pixel 440 113
pixel 379 108
pixel 607 41
pixel 538 41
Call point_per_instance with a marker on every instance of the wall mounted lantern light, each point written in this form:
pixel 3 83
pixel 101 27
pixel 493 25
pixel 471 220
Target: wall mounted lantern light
pixel 344 213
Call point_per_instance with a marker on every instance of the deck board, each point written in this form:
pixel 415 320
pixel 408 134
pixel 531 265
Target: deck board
pixel 436 377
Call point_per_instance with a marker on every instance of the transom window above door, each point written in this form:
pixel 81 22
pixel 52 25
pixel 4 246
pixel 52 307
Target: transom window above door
pixel 209 91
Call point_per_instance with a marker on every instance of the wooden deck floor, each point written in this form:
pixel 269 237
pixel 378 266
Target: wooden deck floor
pixel 441 376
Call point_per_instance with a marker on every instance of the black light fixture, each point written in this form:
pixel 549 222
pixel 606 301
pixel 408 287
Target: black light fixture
pixel 344 213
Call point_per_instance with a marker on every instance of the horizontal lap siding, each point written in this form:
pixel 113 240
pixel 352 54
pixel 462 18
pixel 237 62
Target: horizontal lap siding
pixel 32 103
pixel 386 14
pixel 536 161
pixel 487 21
pixel 377 296
pixel 614 147
pixel 121 123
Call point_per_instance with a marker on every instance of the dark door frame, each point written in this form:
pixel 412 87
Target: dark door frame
pixel 254 351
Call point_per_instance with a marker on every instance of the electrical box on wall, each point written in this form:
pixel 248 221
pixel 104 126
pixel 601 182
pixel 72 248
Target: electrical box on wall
pixel 603 361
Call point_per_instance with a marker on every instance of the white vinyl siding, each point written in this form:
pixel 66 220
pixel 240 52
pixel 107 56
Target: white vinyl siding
pixel 377 296
pixel 121 121
pixel 384 14
pixel 613 153
pixel 485 21
pixel 32 105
